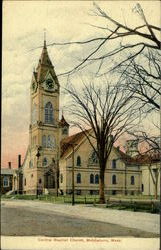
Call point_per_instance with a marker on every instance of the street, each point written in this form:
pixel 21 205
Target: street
pixel 31 218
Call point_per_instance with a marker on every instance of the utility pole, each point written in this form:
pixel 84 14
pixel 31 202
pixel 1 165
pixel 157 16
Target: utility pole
pixel 37 155
pixel 125 182
pixel 73 186
pixel 73 200
pixel 57 173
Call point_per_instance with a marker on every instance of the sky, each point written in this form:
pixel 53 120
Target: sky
pixel 22 39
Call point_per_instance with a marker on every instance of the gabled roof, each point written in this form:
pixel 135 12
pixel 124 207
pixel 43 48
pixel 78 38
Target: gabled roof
pixel 76 139
pixel 66 144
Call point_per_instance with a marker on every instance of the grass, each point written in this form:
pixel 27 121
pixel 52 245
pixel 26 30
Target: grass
pixel 78 198
pixel 52 198
pixel 93 199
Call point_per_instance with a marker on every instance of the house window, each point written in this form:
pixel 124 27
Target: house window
pixel 142 187
pixel 25 181
pixel 96 179
pixel 113 163
pixel 91 178
pixel 113 179
pixel 5 181
pixel 40 181
pixel 132 180
pixel 49 113
pixel 61 178
pixel 45 161
pixel 94 158
pixel 78 161
pixel 79 178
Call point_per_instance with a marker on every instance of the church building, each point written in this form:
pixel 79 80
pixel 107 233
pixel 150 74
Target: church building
pixel 48 164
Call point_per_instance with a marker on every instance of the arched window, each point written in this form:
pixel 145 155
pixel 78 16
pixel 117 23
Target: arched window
pixel 5 181
pixel 45 162
pixel 91 178
pixel 78 161
pixel 40 181
pixel 96 179
pixel 61 178
pixel 25 181
pixel 113 179
pixel 132 180
pixel 79 178
pixel 44 141
pixel 113 163
pixel 50 141
pixel 49 113
pixel 94 158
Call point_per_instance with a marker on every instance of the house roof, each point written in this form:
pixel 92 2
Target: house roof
pixel 146 158
pixel 66 148
pixel 7 171
pixel 66 144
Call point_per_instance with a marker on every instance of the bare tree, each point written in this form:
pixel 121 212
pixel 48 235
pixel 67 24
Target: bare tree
pixel 108 112
pixel 148 36
pixel 142 77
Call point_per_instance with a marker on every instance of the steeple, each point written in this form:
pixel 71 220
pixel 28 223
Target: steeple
pixel 44 64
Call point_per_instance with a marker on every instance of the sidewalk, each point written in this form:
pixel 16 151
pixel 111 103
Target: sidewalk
pixel 143 221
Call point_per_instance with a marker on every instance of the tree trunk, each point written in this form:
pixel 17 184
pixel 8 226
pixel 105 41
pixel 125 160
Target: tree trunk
pixel 101 186
pixel 156 193
pixel 156 187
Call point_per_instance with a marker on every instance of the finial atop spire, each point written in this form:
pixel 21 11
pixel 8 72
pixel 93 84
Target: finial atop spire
pixel 44 38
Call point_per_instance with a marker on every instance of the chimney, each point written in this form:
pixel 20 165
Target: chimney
pixel 9 165
pixel 19 161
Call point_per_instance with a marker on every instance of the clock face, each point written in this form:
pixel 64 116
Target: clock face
pixel 49 84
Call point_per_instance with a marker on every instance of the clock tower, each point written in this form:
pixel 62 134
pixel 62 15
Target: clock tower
pixel 43 151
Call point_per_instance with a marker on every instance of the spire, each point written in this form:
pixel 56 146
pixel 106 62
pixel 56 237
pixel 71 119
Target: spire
pixel 44 44
pixel 44 38
pixel 44 64
pixel 63 122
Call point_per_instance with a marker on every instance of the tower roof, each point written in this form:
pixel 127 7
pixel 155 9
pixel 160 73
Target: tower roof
pixel 44 65
pixel 63 122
